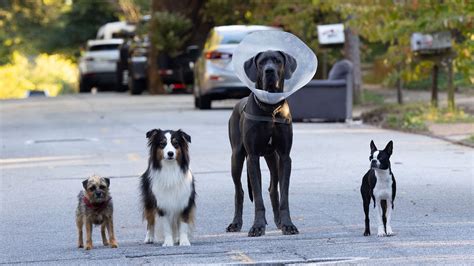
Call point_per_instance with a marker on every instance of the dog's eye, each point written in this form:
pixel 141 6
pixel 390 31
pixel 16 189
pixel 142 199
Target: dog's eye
pixel 175 143
pixel 102 187
pixel 92 188
pixel 163 144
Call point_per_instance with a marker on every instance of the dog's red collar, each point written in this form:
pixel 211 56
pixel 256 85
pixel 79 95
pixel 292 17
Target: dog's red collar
pixel 97 207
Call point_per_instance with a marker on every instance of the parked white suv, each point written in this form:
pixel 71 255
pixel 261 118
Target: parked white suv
pixel 98 65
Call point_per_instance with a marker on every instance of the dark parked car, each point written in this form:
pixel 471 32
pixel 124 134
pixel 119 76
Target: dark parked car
pixel 175 71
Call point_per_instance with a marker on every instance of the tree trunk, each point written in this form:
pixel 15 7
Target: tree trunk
pixel 352 53
pixel 451 103
pixel 399 84
pixel 434 87
pixel 189 8
pixel 155 85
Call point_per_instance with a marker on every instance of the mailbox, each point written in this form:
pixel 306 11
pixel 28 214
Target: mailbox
pixel 331 34
pixel 434 43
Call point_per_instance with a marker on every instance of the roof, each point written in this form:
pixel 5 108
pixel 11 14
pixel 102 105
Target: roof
pixel 104 41
pixel 245 28
pixel 106 30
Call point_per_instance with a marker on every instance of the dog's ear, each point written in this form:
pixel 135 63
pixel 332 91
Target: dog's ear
pixel 84 183
pixel 373 148
pixel 290 64
pixel 185 136
pixel 152 133
pixel 250 67
pixel 107 181
pixel 389 148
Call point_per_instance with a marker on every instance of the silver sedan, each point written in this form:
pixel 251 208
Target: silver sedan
pixel 214 77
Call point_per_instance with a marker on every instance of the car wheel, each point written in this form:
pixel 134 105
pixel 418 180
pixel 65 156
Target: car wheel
pixel 84 86
pixel 137 86
pixel 204 102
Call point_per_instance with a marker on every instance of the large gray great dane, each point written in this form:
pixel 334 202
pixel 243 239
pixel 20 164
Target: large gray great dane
pixel 259 129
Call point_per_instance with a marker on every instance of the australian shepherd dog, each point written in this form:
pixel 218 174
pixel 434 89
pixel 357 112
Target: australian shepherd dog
pixel 167 188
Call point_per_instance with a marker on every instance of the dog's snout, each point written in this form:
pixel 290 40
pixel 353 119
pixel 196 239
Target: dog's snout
pixel 373 163
pixel 269 70
pixel 98 194
pixel 170 154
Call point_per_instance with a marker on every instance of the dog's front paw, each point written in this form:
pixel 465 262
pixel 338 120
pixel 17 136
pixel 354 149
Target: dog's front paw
pixel 381 232
pixel 367 233
pixel 113 244
pixel 184 242
pixel 234 227
pixel 149 238
pixel 289 229
pixel 257 231
pixel 389 231
pixel 168 242
pixel 88 247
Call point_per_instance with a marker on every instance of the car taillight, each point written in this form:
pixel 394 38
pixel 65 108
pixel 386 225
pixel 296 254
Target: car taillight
pixel 177 86
pixel 165 72
pixel 217 55
pixel 214 77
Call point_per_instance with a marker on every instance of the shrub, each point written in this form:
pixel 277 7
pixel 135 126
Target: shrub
pixel 54 74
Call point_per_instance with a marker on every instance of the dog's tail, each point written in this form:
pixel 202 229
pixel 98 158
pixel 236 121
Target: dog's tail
pixel 249 185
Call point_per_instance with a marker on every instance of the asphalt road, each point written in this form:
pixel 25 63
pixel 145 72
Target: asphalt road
pixel 48 146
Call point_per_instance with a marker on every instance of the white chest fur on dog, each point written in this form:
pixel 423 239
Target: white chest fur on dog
pixel 383 187
pixel 171 187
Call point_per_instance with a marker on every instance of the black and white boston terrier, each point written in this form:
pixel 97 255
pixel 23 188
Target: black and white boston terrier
pixel 379 184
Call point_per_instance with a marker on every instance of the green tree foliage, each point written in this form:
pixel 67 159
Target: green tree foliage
pixel 79 24
pixel 22 24
pixel 393 24
pixel 37 26
pixel 171 33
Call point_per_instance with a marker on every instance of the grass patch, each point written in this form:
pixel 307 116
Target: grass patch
pixel 426 83
pixel 371 98
pixel 469 140
pixel 413 117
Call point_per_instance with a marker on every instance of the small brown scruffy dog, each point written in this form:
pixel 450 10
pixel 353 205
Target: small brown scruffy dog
pixel 95 207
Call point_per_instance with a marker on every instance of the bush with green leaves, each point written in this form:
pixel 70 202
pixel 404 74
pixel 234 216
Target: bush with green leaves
pixel 172 31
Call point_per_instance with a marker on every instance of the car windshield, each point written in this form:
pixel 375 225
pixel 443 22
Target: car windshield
pixel 104 47
pixel 233 37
